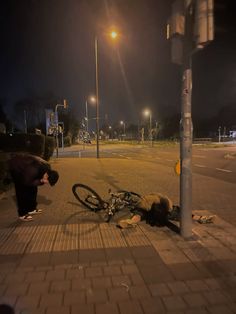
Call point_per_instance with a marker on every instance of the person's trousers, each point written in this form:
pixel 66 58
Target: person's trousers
pixel 26 198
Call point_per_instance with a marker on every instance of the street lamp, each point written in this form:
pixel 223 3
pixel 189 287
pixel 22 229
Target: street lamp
pixel 148 112
pixel 123 123
pixel 93 100
pixel 65 105
pixel 113 35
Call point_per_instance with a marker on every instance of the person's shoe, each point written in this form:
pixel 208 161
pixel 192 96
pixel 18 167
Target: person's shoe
pixel 126 223
pixel 26 218
pixel 36 211
pixel 206 219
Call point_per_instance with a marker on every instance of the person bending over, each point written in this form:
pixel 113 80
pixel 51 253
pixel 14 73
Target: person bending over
pixel 28 172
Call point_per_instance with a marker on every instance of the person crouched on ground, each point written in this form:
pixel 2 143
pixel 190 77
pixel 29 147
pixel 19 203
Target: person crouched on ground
pixel 28 172
pixel 153 208
pixel 157 210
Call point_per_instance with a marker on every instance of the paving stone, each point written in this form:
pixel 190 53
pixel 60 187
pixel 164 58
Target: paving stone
pixel 152 305
pixel 51 299
pixel 129 269
pixel 173 303
pixel 197 311
pixel 216 297
pixel 112 270
pixel 15 278
pixel 140 252
pixel 3 288
pixel 60 286
pixel 74 297
pixel 131 307
pixel 85 283
pixel 93 272
pixel 159 289
pixel 155 274
pixel 185 271
pixel 75 273
pixel 35 276
pixel 17 289
pixel 219 309
pixel 119 293
pixel 213 283
pixel 118 281
pixel 137 279
pixel 37 288
pixel 107 308
pixel 195 300
pixel 58 310
pixel 83 309
pixel 93 255
pixel 58 274
pixel 28 301
pixel 117 254
pixel 101 282
pixel 67 257
pixel 96 296
pixel 197 285
pixel 8 299
pixel 178 287
pixel 139 292
pixel 40 310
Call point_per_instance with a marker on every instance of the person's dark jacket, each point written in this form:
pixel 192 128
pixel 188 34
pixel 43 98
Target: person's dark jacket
pixel 28 169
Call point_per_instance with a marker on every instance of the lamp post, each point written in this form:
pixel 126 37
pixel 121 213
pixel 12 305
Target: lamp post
pixel 148 112
pixel 123 123
pixel 86 115
pixel 56 120
pixel 113 35
pixel 97 94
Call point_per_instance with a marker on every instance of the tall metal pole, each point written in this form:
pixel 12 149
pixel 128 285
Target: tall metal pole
pixel 97 94
pixel 25 121
pixel 186 130
pixel 57 143
pixel 86 113
pixel 151 128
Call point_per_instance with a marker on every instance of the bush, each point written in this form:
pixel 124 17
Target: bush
pixel 5 178
pixel 67 141
pixel 49 147
pixel 21 142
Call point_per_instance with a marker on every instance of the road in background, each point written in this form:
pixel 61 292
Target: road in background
pixel 218 163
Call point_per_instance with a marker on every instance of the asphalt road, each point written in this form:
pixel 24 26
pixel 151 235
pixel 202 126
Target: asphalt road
pixel 218 163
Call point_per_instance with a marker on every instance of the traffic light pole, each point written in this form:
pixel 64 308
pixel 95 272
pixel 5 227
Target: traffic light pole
pixel 186 130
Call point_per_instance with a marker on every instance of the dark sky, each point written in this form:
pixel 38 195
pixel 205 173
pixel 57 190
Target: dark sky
pixel 48 47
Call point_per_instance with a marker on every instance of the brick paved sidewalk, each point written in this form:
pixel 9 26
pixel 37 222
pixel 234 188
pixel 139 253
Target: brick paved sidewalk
pixel 67 262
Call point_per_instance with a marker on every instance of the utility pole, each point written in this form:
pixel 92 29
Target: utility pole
pixel 65 105
pixel 190 28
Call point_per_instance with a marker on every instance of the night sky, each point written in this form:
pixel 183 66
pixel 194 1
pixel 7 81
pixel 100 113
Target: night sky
pixel 48 48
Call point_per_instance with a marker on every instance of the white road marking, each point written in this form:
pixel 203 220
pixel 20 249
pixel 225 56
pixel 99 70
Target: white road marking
pixel 224 170
pixel 199 156
pixel 200 166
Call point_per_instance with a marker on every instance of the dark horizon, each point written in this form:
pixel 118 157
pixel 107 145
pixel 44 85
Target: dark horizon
pixel 49 50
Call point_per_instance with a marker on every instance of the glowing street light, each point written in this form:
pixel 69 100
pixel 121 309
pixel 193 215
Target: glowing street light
pixel 123 123
pixel 113 35
pixel 91 99
pixel 147 113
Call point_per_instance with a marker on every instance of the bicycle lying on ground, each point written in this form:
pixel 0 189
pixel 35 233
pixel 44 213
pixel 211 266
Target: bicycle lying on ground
pixel 116 202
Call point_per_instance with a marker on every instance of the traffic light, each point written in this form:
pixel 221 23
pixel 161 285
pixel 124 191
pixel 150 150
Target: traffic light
pixel 204 23
pixel 65 104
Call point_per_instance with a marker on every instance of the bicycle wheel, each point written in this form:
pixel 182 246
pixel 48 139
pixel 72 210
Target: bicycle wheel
pixel 88 197
pixel 131 198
